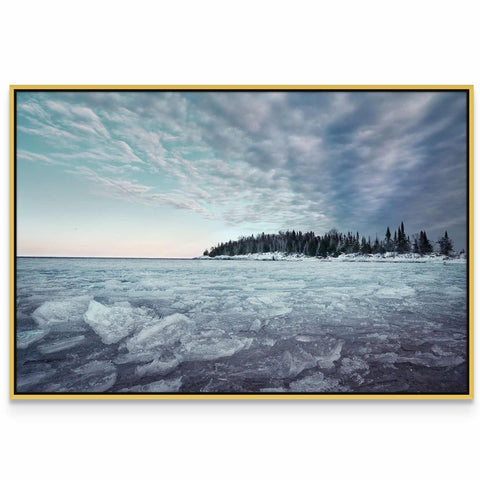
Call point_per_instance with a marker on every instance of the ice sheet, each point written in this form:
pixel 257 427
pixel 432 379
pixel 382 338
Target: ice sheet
pixel 237 326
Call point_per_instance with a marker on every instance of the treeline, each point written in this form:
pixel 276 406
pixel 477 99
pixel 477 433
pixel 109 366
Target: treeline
pixel 332 243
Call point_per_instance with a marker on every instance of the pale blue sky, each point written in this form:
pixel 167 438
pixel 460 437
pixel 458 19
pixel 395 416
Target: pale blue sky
pixel 160 174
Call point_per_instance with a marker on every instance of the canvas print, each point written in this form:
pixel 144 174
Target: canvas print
pixel 279 241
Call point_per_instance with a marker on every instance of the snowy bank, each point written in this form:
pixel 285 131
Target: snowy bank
pixel 390 257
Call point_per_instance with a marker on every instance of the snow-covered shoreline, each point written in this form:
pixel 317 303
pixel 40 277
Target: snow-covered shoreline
pixel 389 257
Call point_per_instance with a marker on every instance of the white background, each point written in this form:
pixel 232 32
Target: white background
pixel 178 42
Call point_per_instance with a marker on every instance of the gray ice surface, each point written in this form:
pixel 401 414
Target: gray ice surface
pixel 127 325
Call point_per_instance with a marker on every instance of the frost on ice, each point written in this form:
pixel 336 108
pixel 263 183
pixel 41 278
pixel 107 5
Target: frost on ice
pixel 243 326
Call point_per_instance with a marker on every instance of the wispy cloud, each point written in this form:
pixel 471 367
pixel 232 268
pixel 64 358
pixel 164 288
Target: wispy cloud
pixel 36 157
pixel 121 189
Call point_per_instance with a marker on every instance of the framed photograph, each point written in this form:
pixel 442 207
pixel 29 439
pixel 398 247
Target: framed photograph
pixel 257 242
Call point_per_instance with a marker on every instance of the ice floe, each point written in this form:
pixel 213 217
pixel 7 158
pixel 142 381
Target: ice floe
pixel 160 386
pixel 95 376
pixel 62 315
pixel 158 366
pixel 30 379
pixel 317 383
pixel 352 365
pixel 28 337
pixel 60 345
pixel 211 348
pixel 112 323
pixel 164 332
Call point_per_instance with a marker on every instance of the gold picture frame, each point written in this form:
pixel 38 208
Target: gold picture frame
pixel 237 396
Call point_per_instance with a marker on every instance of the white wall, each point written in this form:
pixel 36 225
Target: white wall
pixel 348 42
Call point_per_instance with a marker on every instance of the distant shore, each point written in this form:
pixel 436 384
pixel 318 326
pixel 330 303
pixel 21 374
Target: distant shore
pixel 389 257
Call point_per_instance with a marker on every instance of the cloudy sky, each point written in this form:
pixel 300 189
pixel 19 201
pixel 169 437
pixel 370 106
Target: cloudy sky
pixel 167 174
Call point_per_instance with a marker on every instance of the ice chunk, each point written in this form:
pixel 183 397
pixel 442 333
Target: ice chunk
pixel 356 378
pixel 326 349
pixel 61 345
pixel 296 362
pixel 157 367
pixel 124 358
pixel 455 291
pixel 388 357
pixel 212 332
pixel 305 338
pixel 286 359
pixel 269 306
pixel 438 350
pixel 378 336
pixel 112 323
pixel 211 348
pixel 317 383
pixel 273 390
pixel 161 386
pixel 95 376
pixel 30 379
pixel 399 291
pixel 63 315
pixel 27 338
pixel 353 364
pixel 165 332
pixel 430 360
pixel 256 325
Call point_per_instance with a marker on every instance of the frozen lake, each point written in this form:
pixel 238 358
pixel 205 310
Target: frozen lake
pixel 139 325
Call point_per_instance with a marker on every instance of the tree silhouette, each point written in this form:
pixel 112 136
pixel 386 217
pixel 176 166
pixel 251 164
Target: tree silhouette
pixel 332 243
pixel 446 245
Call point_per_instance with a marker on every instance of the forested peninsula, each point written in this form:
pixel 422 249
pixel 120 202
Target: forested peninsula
pixel 333 244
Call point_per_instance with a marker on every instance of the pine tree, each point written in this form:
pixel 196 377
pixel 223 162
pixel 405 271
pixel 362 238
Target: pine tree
pixel 388 240
pixel 366 247
pixel 403 245
pixel 289 248
pixel 322 248
pixel 446 245
pixel 424 245
pixel 312 247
